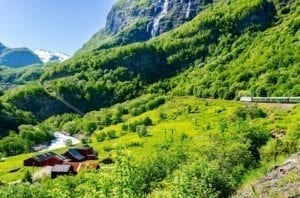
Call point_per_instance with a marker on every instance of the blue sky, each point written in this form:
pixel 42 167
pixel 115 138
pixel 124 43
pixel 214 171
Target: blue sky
pixel 56 25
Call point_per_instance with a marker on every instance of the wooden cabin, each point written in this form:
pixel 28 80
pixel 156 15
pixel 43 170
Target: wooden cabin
pixel 61 169
pixel 88 152
pixel 81 154
pixel 74 155
pixel 45 159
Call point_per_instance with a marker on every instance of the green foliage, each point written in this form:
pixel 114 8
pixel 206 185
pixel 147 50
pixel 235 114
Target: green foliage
pixel 101 136
pixel 251 112
pixel 142 131
pixel 111 134
pixel 27 177
pixel 23 142
pixel 218 50
pixel 227 51
pixel 11 118
pixel 198 162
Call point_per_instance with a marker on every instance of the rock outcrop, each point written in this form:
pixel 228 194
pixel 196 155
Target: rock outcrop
pixel 282 181
pixel 141 20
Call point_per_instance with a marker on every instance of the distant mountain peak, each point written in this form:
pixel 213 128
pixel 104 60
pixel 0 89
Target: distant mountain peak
pixel 47 56
pixel 17 57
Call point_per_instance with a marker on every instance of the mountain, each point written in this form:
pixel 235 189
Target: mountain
pixel 131 21
pixel 48 56
pixel 212 56
pixel 162 108
pixel 17 57
pixel 2 47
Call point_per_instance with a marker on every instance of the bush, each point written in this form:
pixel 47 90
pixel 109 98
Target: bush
pixel 108 148
pixel 101 137
pixel 90 127
pixel 147 121
pixel 142 131
pixel 184 137
pixel 112 134
pixel 125 127
pixel 27 177
pixel 133 127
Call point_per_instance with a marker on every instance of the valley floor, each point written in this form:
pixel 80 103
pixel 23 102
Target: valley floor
pixel 206 127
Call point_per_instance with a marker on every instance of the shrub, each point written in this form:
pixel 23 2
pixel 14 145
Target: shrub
pixel 27 177
pixel 124 127
pixel 112 134
pixel 101 137
pixel 134 144
pixel 108 148
pixel 142 131
pixel 184 137
pixel 90 127
pixel 147 121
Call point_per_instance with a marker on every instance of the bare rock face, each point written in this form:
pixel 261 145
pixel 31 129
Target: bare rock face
pixel 139 20
pixel 161 15
pixel 282 181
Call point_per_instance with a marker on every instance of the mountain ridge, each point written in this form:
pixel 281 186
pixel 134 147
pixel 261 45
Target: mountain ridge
pixel 49 57
pixel 204 46
pixel 17 57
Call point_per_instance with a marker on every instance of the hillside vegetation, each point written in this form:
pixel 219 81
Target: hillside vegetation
pixel 182 153
pixel 217 51
pixel 155 107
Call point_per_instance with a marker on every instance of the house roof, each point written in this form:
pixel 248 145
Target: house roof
pixel 61 168
pixel 43 157
pixel 76 165
pixel 76 155
pixel 84 148
pixel 48 155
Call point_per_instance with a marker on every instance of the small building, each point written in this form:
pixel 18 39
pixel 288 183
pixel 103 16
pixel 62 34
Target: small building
pixel 75 165
pixel 60 169
pixel 88 152
pixel 74 155
pixel 45 159
pixel 81 154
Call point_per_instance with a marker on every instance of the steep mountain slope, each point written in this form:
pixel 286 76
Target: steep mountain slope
pixel 263 63
pixel 50 57
pixel 17 57
pixel 213 49
pixel 165 145
pixel 11 118
pixel 131 21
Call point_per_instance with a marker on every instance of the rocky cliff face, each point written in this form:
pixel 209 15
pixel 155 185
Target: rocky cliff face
pixel 161 15
pixel 282 181
pixel 139 20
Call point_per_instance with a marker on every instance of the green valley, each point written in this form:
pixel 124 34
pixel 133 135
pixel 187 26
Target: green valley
pixel 162 104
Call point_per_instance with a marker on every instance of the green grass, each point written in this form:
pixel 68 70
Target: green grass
pixel 192 124
pixel 185 115
pixel 16 163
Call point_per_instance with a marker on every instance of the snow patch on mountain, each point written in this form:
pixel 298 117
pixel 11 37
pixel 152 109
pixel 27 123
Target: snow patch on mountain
pixel 48 56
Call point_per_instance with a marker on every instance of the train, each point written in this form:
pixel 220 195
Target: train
pixel 271 99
